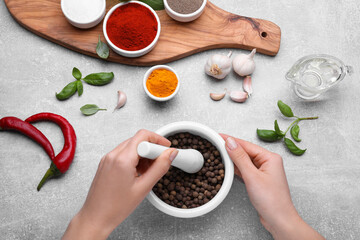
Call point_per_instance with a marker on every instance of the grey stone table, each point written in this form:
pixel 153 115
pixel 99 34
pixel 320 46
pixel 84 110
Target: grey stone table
pixel 324 183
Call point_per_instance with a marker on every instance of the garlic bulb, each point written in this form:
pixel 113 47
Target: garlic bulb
pixel 121 100
pixel 239 96
pixel 218 66
pixel 247 85
pixel 244 64
pixel 217 96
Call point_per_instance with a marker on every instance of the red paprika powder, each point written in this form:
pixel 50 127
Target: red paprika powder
pixel 132 27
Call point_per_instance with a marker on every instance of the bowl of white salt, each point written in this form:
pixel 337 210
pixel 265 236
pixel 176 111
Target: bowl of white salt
pixel 84 13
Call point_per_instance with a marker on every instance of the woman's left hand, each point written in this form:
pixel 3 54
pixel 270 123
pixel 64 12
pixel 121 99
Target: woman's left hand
pixel 121 182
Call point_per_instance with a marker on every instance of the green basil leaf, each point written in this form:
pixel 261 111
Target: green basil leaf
pixel 277 129
pixel 99 79
pixel 80 87
pixel 293 148
pixel 76 73
pixel 285 109
pixel 154 4
pixel 102 49
pixel 268 135
pixel 67 91
pixel 90 109
pixel 295 132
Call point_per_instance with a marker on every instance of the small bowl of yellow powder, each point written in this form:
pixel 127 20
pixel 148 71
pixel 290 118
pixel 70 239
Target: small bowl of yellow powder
pixel 161 83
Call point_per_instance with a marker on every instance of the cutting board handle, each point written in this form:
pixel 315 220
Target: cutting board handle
pixel 234 31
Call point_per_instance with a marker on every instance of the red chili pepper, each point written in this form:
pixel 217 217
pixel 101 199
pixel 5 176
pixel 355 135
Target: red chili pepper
pixel 13 123
pixel 63 160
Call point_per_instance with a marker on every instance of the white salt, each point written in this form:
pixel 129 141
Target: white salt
pixel 83 10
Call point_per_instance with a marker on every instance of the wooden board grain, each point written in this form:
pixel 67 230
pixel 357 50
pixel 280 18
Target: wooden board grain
pixel 215 28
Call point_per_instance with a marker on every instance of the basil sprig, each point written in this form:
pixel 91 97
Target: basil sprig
pixel 293 148
pixel 102 49
pixel 277 134
pixel 76 73
pixel 285 109
pixel 277 129
pixel 90 109
pixel 294 131
pixel 154 4
pixel 267 135
pixel 99 79
pixel 67 91
pixel 96 79
pixel 80 87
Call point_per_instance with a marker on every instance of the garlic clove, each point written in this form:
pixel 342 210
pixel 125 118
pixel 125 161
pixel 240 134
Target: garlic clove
pixel 247 85
pixel 121 100
pixel 218 66
pixel 239 96
pixel 217 96
pixel 252 54
pixel 244 64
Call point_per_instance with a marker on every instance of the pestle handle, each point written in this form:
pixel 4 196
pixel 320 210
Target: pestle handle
pixel 188 160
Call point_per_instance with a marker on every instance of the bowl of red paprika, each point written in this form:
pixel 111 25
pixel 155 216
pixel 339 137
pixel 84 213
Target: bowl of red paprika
pixel 131 29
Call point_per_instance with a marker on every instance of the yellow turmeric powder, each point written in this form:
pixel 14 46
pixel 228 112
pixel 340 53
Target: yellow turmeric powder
pixel 161 83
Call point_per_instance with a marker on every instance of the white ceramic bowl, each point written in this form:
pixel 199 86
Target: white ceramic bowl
pixel 136 53
pixel 184 17
pixel 216 140
pixel 160 99
pixel 89 23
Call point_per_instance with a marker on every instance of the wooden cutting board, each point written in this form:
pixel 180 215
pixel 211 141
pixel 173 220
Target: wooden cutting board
pixel 215 28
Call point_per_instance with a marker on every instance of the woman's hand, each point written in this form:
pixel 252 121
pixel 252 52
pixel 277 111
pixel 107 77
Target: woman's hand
pixel 265 180
pixel 121 182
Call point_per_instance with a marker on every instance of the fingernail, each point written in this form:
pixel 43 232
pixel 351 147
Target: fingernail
pixel 231 143
pixel 173 155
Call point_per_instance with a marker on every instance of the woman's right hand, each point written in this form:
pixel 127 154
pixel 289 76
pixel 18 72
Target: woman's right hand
pixel 263 174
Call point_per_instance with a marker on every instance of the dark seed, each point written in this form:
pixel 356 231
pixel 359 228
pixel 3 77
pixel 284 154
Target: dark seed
pixel 175 142
pixel 165 196
pixel 171 186
pixel 208 194
pixel 179 197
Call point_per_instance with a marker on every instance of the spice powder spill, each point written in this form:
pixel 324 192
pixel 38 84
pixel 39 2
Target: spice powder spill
pixel 185 6
pixel 132 27
pixel 161 83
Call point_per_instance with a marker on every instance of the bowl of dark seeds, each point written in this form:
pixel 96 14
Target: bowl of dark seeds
pixel 186 195
pixel 184 10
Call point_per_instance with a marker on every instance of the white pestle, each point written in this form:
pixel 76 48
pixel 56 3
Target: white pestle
pixel 188 160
